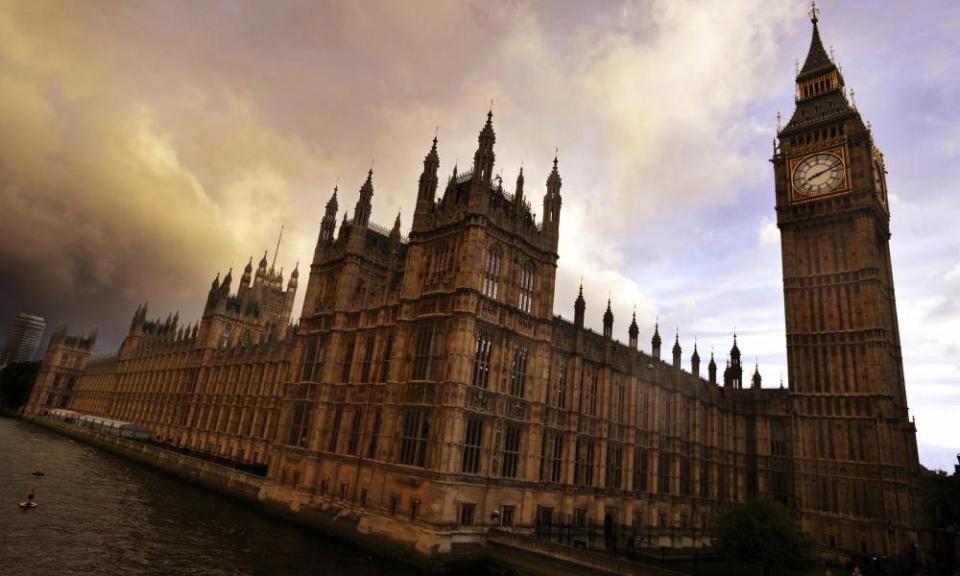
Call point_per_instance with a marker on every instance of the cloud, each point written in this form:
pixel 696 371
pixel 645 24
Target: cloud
pixel 148 145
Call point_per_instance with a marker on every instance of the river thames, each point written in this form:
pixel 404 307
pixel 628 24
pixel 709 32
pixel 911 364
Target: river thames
pixel 100 514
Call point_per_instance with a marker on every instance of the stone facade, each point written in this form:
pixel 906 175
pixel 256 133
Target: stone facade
pixel 430 390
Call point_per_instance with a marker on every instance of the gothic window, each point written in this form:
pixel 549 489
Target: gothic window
pixel 312 357
pixel 583 466
pixel 426 361
pixel 556 458
pixel 375 435
pixel 385 361
pixel 614 465
pixel 518 372
pixel 620 400
pixel 299 424
pixel 226 336
pixel 594 389
pixel 663 476
pixel 367 359
pixel 472 444
pixel 413 441
pixel 466 513
pixel 330 290
pixel 704 479
pixel 560 388
pixel 511 451
pixel 491 274
pixel 640 470
pixel 525 302
pixel 349 345
pixel 686 480
pixel 481 361
pixel 335 429
pixel 354 439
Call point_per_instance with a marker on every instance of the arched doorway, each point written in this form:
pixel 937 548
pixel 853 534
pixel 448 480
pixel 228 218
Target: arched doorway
pixel 609 531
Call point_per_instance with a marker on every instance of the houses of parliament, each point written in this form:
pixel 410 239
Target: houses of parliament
pixel 429 395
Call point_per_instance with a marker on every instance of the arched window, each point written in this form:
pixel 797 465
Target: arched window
pixel 491 275
pixel 525 302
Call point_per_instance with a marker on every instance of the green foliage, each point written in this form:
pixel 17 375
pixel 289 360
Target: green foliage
pixel 16 382
pixel 763 531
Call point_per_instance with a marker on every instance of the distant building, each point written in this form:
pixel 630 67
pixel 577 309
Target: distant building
pixel 24 341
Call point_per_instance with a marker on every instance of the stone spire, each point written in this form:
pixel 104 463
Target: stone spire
pixel 518 193
pixel 608 321
pixel 655 341
pixel 329 222
pixel 427 191
pixel 552 201
pixel 677 351
pixel 361 216
pixel 483 158
pixel 695 360
pixel 633 331
pixel 579 308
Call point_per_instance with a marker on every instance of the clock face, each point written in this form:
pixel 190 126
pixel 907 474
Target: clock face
pixel 818 174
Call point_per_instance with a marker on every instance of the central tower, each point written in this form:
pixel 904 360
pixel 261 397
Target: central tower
pixel 856 453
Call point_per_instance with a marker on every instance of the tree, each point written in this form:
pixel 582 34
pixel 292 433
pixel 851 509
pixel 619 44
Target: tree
pixel 763 531
pixel 16 383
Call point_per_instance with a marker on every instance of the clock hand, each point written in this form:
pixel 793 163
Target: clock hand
pixel 824 171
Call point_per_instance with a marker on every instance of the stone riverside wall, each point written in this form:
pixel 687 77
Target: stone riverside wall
pixel 237 483
pixel 518 554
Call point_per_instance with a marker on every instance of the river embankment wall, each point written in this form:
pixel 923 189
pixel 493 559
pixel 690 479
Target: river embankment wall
pixel 510 553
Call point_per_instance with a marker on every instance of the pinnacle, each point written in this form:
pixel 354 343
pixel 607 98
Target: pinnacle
pixel 817 58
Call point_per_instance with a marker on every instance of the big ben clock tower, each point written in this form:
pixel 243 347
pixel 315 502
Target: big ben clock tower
pixel 856 461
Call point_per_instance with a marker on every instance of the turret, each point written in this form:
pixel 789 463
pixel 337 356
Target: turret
pixel 428 182
pixel 608 321
pixel 634 332
pixel 483 158
pixel 756 376
pixel 361 216
pixel 695 360
pixel 677 352
pixel 225 285
pixel 262 267
pixel 579 309
pixel 518 205
pixel 736 368
pixel 294 278
pixel 655 341
pixel 247 272
pixel 551 206
pixel 329 222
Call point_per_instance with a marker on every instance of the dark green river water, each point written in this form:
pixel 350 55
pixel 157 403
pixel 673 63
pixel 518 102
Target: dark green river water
pixel 100 514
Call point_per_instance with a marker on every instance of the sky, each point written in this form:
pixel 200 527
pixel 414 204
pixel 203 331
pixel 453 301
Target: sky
pixel 146 146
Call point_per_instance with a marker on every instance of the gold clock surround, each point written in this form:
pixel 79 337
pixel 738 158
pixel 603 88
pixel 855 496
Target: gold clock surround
pixel 798 195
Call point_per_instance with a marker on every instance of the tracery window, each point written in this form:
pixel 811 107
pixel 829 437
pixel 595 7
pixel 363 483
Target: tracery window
pixel 299 424
pixel 525 302
pixel 481 361
pixel 614 465
pixel 413 441
pixel 426 360
pixel 511 451
pixel 472 444
pixel 518 372
pixel 367 359
pixel 491 274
